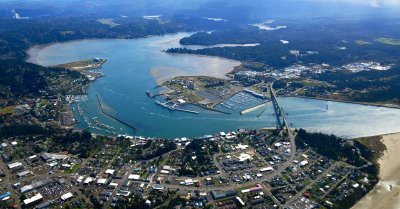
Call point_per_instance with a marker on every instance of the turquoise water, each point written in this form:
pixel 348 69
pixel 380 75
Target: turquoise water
pixel 128 75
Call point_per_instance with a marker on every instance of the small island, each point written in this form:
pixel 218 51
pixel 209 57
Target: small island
pixel 87 64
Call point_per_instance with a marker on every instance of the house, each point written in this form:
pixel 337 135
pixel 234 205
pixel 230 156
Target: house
pixel 303 163
pixel 134 177
pixel 23 173
pixel 5 157
pixel 66 196
pixel 101 181
pixel 110 171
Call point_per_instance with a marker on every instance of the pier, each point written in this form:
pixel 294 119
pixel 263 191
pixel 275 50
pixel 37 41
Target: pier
pixel 113 117
pixel 165 105
pixel 254 93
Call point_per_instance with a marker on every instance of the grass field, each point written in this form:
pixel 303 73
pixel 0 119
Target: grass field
pixel 389 41
pixel 108 22
pixel 7 110
pixel 375 144
pixel 362 42
pixel 73 169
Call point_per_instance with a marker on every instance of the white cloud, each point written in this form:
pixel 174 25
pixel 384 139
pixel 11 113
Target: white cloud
pixel 372 3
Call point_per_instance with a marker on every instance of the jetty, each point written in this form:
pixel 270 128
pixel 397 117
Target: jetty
pixel 262 112
pixel 113 117
pixel 251 109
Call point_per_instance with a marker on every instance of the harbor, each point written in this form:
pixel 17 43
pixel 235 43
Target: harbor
pixel 127 80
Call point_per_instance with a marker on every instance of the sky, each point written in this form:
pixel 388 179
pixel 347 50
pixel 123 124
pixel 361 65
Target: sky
pixel 372 3
pixel 223 8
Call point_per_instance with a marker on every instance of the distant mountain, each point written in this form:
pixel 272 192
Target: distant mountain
pixel 235 10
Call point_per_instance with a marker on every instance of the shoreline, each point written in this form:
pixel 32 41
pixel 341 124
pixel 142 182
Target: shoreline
pixel 42 46
pixel 343 101
pixel 386 193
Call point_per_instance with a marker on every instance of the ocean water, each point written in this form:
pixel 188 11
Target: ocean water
pixel 135 66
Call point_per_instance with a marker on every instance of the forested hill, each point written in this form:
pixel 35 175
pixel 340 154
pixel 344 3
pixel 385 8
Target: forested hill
pixel 337 42
pixel 18 35
pixel 21 79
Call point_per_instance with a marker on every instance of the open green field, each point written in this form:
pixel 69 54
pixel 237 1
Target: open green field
pixel 108 22
pixel 389 41
pixel 73 169
pixel 7 110
pixel 86 64
pixel 362 42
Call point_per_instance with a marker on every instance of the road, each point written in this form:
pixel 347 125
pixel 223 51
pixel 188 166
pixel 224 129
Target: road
pixel 270 176
pixel 299 194
pixel 128 171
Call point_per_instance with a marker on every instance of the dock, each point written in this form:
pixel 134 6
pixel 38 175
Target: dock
pixel 113 117
pixel 165 105
pixel 255 93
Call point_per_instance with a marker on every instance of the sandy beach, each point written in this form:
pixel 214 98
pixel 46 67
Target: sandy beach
pixel 162 74
pixel 386 194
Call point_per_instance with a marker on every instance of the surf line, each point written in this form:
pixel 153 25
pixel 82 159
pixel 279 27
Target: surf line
pixel 113 117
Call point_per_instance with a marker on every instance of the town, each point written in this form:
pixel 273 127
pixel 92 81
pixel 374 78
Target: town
pixel 241 169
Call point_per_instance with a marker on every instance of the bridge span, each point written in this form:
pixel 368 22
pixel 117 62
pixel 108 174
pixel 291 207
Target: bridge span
pixel 282 123
pixel 281 118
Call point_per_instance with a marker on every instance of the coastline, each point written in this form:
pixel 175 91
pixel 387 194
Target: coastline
pixel 42 46
pixel 386 194
pixel 344 101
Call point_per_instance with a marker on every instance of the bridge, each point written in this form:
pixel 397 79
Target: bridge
pixel 281 119
pixel 282 123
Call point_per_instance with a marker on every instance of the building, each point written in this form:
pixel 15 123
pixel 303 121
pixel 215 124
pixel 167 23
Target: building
pixel 101 181
pixel 66 196
pixel 303 163
pixel 35 185
pixel 14 166
pixel 48 157
pixel 5 157
pixel 216 196
pixel 110 171
pixel 134 177
pixel 266 169
pixel 35 199
pixel 24 173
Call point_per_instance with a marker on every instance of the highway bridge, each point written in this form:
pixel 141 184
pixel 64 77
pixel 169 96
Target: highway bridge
pixel 281 119
pixel 282 122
